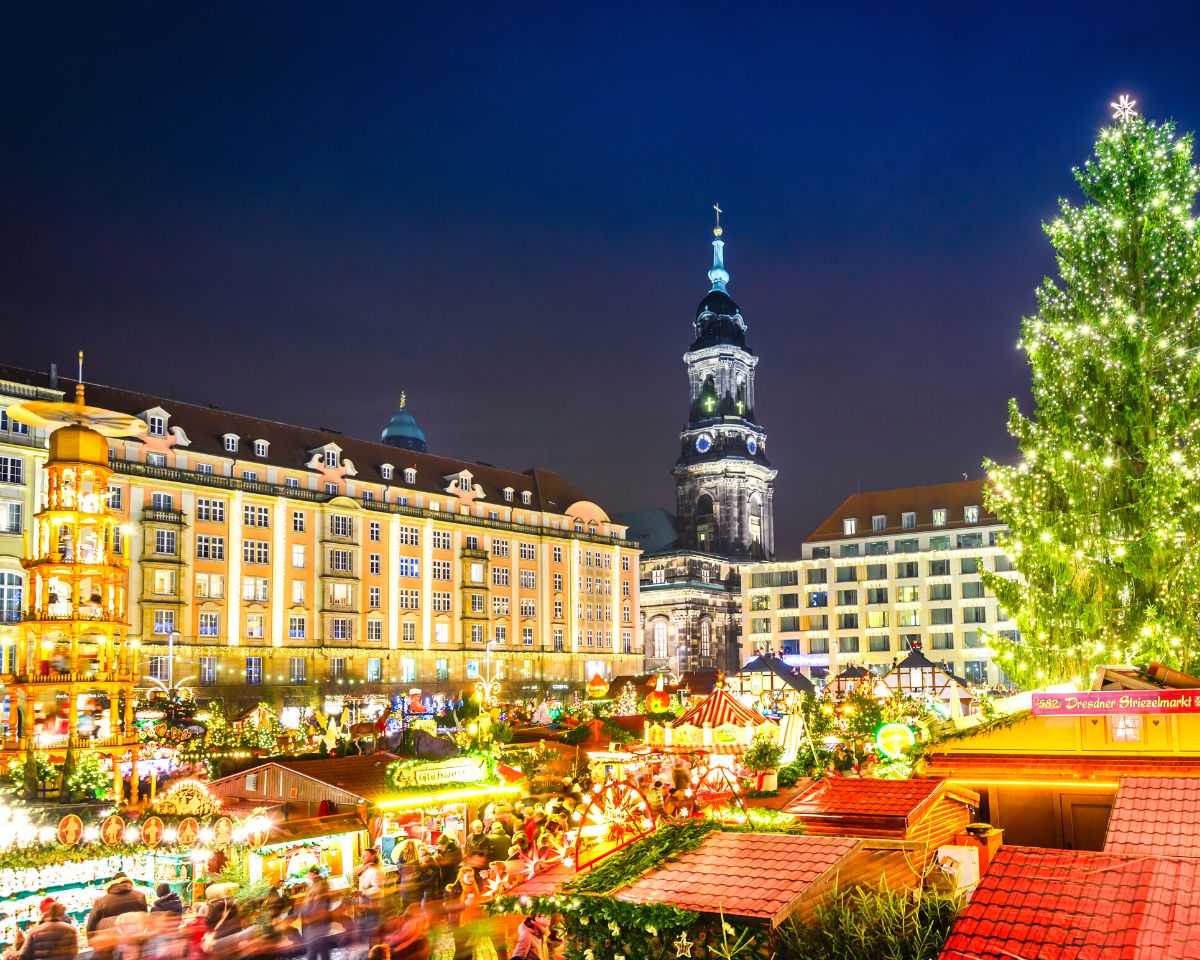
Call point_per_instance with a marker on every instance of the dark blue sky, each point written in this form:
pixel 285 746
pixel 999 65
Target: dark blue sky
pixel 296 214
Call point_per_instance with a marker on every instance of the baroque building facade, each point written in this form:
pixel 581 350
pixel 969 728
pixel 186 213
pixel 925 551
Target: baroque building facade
pixel 295 561
pixel 724 490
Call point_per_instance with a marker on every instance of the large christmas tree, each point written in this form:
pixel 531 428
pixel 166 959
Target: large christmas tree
pixel 1103 511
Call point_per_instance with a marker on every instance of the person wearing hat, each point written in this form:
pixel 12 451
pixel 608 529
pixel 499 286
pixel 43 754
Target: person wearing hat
pixel 53 938
pixel 221 919
pixel 166 900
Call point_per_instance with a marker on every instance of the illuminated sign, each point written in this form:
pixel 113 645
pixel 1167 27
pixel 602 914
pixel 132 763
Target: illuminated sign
pixel 455 770
pixel 894 739
pixel 1099 703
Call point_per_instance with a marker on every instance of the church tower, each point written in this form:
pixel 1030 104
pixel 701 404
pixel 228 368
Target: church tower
pixel 723 480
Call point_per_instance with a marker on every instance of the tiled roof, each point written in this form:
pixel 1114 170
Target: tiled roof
pixel 1038 904
pixel 867 802
pixel 789 675
pixel 1045 766
pixel 753 876
pixel 892 503
pixel 290 446
pixel 543 883
pixel 717 708
pixel 363 776
pixel 1156 816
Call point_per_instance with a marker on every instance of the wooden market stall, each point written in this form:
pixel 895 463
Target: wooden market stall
pixel 918 676
pixel 720 725
pixel 1049 775
pixel 768 682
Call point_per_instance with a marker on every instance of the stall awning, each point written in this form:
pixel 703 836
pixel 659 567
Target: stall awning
pixel 291 831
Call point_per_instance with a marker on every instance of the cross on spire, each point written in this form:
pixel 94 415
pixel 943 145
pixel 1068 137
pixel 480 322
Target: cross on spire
pixel 717 229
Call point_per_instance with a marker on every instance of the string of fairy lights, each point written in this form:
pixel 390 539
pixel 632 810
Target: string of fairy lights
pixel 1103 511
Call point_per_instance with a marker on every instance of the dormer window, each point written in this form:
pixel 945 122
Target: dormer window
pixel 331 458
pixel 231 442
pixel 879 523
pixel 410 475
pixel 158 427
pixel 850 526
pixel 939 516
pixel 970 514
pixel 260 448
pixel 526 497
pixel 386 471
pixel 508 494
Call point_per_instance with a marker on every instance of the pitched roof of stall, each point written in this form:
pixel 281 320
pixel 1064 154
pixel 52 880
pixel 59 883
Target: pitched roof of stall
pixel 718 708
pixel 1155 816
pixel 769 664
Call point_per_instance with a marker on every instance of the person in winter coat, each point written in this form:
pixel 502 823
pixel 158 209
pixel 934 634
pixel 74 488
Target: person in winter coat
pixel 222 919
pixel 119 898
pixel 531 935
pixel 316 917
pixel 166 901
pixel 53 938
pixel 498 842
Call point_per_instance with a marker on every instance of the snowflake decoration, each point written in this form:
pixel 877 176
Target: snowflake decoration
pixel 683 946
pixel 1123 111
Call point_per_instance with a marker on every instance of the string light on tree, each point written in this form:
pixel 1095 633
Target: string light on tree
pixel 1100 512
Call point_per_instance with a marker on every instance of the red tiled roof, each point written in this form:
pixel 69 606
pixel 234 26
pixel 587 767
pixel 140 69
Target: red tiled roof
pixel 542 884
pixel 978 767
pixel 1156 816
pixel 750 876
pixel 866 802
pixel 717 708
pixel 893 503
pixel 1038 904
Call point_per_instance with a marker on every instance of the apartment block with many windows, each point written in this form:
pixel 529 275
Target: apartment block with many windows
pixel 271 555
pixel 887 570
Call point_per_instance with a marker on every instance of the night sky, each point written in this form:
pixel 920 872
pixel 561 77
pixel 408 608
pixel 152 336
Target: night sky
pixel 508 214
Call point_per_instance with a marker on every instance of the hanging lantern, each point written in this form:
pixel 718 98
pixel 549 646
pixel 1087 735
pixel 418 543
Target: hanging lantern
pixel 658 700
pixel 597 687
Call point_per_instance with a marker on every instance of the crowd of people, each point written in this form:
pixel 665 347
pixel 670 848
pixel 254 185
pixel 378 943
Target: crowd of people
pixel 427 904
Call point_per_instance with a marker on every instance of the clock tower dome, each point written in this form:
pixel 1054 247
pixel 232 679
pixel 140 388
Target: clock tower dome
pixel 724 483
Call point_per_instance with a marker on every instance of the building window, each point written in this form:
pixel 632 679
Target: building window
pixel 879 644
pixel 210 548
pixel 971 514
pixel 164 542
pixel 331 487
pixel 385 471
pixel 297 670
pixel 210 510
pixel 442 669
pixel 907 570
pixel 298 555
pixel 850 526
pixel 297 593
pixel 204 469
pixel 410 476
pixel 972 590
pixel 941 616
pixel 877 548
pixel 374 669
pixel 373 594
pixel 974 614
pixel 975 671
pixel 210 624
pixel 660 639
pixel 10 517
pixel 158 426
pixel 939 568
pixel 231 442
pixel 341 628
pixel 253 671
pixel 297 628
pixel 375 532
pixel 331 458
pixel 341 561
pixel 908 520
pixel 163 582
pixel 847 575
pixel 162 501
pixel 341 526
pixel 254 626
pixel 408 632
pixel 939 517
pixel 968 565
pixel 208 671
pixel 375 563
pixel 526 497
pixel 260 448
pixel 408 670
pixel 337 668
pixel 158 668
pixel 375 630
pixel 256 551
pixel 256 516
pixel 969 541
pixel 508 494
pixel 705 640
pixel 942 640
pixel 879 523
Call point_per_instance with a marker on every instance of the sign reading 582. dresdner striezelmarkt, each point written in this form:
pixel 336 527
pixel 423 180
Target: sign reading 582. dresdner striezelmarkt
pixel 1099 703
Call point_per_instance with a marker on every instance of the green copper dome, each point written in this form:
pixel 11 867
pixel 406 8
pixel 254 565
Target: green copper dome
pixel 402 430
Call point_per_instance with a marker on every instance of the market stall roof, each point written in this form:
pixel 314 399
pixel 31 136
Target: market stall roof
pixel 293 831
pixel 1053 767
pixel 1156 816
pixel 934 677
pixel 719 707
pixel 542 884
pixel 1079 905
pixel 850 805
pixel 789 675
pixel 747 876
pixel 364 777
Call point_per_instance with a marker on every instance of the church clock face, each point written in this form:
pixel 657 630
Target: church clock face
pixel 751 446
pixel 704 443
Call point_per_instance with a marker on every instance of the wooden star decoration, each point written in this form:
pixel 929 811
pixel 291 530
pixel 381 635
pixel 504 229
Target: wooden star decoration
pixel 683 946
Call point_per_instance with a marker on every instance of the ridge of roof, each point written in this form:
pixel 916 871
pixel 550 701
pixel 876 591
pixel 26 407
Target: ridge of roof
pixel 550 491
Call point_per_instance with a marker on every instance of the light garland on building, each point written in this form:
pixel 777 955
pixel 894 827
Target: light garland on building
pixel 1103 512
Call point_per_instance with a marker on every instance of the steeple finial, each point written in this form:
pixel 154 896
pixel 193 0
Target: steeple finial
pixel 403 399
pixel 718 275
pixel 79 384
